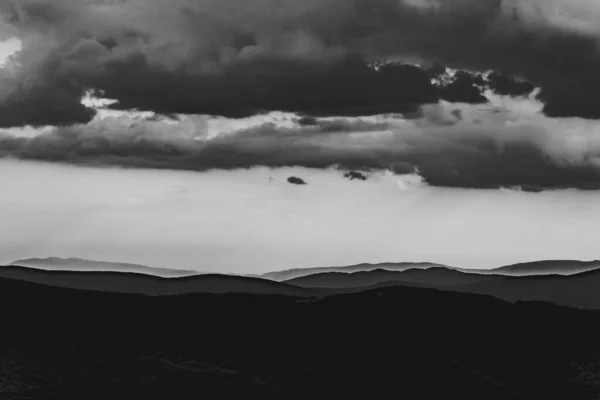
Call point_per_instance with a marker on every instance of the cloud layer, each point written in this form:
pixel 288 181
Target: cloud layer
pixel 477 124
pixel 507 143
pixel 235 58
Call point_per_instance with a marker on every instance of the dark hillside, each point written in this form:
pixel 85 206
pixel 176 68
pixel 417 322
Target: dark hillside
pixel 418 343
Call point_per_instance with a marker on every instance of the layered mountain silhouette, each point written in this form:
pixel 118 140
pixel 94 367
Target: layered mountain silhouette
pixel 561 267
pixel 576 290
pixel 121 282
pixel 298 272
pixel 434 276
pixel 79 264
pixel 579 290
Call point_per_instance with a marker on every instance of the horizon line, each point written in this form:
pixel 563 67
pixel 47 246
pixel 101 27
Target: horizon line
pixel 15 263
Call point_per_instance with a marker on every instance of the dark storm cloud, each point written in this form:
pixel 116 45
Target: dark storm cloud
pixel 346 87
pixel 553 44
pixel 460 156
pixel 237 58
pixel 40 108
pixel 222 58
pixel 508 86
pixel 463 88
pixel 233 58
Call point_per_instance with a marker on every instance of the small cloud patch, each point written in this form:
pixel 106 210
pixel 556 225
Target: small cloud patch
pixel 296 181
pixel 355 175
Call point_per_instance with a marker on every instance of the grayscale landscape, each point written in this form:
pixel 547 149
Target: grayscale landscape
pixel 292 200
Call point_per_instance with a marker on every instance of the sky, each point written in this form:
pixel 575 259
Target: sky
pixel 246 223
pixel 164 132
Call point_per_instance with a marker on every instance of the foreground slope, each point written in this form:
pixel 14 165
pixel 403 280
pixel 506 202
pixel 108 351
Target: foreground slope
pixel 415 343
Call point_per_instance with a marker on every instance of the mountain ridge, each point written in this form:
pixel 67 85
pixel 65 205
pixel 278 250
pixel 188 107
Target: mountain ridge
pixel 562 267
pixel 519 269
pixel 433 276
pixel 298 272
pixel 139 283
pixel 82 264
pixel 579 290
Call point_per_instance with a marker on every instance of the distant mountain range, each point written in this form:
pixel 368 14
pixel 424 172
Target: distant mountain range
pixel 79 264
pixel 299 272
pixel 434 276
pixel 559 267
pixel 580 290
pixel 570 283
pixel 128 282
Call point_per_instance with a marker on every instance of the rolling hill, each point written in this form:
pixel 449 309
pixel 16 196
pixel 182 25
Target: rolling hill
pixel 79 264
pixel 581 290
pixel 577 290
pixel 559 267
pixel 285 275
pixel 545 267
pixel 125 282
pixel 434 276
